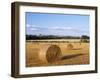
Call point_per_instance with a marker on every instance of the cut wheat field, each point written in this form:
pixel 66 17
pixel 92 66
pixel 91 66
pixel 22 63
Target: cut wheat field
pixel 77 55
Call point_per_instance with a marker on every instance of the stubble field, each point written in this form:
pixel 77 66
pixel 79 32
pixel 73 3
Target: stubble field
pixel 76 55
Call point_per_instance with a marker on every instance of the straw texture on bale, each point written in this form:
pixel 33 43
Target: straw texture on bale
pixel 50 53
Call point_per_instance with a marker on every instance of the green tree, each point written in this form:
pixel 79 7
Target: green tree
pixel 84 38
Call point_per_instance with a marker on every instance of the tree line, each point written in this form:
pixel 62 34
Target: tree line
pixel 35 37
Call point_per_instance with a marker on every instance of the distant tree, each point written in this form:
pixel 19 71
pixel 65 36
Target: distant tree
pixel 40 35
pixel 84 38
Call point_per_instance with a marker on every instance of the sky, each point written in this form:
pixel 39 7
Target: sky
pixel 56 24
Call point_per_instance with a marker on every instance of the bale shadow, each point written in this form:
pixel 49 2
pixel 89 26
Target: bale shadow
pixel 76 48
pixel 70 56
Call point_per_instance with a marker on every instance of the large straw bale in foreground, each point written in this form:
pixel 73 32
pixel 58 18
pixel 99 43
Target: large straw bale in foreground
pixel 49 54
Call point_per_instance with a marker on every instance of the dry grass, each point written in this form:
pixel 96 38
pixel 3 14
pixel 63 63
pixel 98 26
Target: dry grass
pixel 79 54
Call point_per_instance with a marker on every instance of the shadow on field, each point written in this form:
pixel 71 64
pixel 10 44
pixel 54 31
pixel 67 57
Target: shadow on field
pixel 71 56
pixel 77 49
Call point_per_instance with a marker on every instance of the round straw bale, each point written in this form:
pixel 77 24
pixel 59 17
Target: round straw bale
pixel 53 53
pixel 69 46
pixel 49 54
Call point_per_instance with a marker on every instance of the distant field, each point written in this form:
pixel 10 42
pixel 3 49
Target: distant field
pixel 57 40
pixel 78 54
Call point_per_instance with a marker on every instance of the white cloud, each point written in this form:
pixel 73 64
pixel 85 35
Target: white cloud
pixel 61 28
pixel 28 25
pixel 33 29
